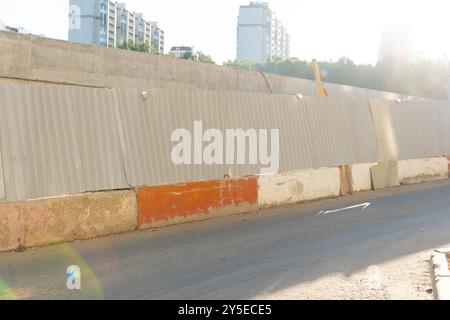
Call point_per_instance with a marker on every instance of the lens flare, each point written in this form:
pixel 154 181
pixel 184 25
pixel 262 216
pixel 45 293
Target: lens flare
pixel 90 284
pixel 324 72
pixel 56 277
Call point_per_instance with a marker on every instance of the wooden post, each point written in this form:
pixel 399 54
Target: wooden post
pixel 322 91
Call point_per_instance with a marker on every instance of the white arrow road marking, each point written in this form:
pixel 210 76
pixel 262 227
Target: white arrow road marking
pixel 362 206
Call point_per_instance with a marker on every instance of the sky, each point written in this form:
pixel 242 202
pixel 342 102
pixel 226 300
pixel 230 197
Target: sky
pixel 322 29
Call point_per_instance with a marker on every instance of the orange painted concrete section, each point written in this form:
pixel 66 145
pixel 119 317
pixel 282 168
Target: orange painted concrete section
pixel 159 204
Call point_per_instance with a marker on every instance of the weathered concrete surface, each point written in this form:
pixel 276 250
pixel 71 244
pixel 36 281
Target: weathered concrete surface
pixel 448 159
pixel 361 177
pixel 345 180
pixel 288 188
pixel 440 274
pixel 185 202
pixel 385 174
pixel 31 58
pixel 46 221
pixel 422 170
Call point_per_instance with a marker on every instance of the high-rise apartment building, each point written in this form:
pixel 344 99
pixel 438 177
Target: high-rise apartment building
pixel 110 24
pixel 260 34
pixel 143 29
pixel 397 44
pixel 157 37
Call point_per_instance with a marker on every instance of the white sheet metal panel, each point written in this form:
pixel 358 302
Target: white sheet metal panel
pixel 2 181
pixel 349 92
pixel 342 131
pixel 146 127
pixel 422 128
pixel 58 140
pixel 314 132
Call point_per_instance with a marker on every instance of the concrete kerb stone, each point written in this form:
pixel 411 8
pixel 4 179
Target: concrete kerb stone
pixel 448 162
pixel 40 222
pixel 440 274
pixel 164 205
pixel 298 186
pixel 361 177
pixel 422 170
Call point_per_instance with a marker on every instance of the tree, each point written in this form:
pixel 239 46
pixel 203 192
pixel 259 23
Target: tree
pixel 423 78
pixel 199 56
pixel 187 55
pixel 240 64
pixel 204 58
pixel 137 46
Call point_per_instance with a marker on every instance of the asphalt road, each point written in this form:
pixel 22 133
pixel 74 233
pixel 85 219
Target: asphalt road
pixel 239 257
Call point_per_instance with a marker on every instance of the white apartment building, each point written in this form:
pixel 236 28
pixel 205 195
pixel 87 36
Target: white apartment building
pixel 157 37
pixel 260 34
pixel 397 44
pixel 110 24
pixel 112 15
pixel 143 31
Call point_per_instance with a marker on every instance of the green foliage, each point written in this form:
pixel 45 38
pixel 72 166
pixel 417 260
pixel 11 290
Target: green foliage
pixel 204 58
pixel 199 56
pixel 240 64
pixel 187 55
pixel 423 78
pixel 139 47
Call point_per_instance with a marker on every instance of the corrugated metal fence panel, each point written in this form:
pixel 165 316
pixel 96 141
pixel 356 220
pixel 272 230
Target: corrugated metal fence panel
pixel 58 140
pixel 314 132
pixel 146 130
pixel 422 128
pixel 342 131
pixel 98 140
pixel 2 181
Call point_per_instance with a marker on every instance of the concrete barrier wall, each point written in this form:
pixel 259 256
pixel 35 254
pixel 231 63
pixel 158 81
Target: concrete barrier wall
pixel 46 221
pixel 294 187
pixel 178 203
pixel 385 173
pixel 361 177
pixel 314 184
pixel 63 140
pixel 422 170
pixel 31 58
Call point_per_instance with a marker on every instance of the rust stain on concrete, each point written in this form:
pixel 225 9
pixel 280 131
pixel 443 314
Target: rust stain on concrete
pixel 158 205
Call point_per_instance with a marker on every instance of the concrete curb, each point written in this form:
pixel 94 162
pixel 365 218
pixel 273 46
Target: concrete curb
pixel 33 223
pixel 164 205
pixel 440 274
pixel 361 177
pixel 415 171
pixel 448 163
pixel 297 186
